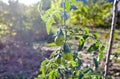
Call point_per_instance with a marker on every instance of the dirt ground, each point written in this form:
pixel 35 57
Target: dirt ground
pixel 21 61
pixel 18 61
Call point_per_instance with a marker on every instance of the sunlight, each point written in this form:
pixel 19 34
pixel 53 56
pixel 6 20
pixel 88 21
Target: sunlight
pixel 26 2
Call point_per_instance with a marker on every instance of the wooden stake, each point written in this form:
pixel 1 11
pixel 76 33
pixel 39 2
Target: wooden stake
pixel 114 20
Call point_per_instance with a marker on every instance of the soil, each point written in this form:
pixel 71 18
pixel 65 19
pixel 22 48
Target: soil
pixel 19 60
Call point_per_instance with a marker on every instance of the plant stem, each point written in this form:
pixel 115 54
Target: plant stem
pixel 64 21
pixel 64 14
pixel 114 20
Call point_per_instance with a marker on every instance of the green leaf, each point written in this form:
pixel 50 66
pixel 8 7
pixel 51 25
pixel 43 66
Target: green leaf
pixel 67 5
pixel 58 16
pixel 44 62
pixel 85 9
pixel 102 48
pixel 96 35
pixel 81 44
pixel 95 63
pixel 51 44
pixel 76 29
pixel 85 36
pixel 43 71
pixel 49 23
pixel 53 54
pixel 94 47
pixel 73 1
pixel 79 63
pixel 100 55
pixel 53 65
pixel 86 70
pixel 73 63
pixel 81 75
pixel 51 75
pixel 48 26
pixel 56 73
pixel 86 31
pixel 68 56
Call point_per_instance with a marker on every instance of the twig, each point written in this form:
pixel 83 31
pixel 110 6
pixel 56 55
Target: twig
pixel 114 20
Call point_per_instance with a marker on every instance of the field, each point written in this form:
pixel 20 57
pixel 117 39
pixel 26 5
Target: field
pixel 22 61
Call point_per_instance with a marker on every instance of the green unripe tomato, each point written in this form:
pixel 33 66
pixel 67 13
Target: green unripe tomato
pixel 66 48
pixel 59 39
pixel 67 54
pixel 58 59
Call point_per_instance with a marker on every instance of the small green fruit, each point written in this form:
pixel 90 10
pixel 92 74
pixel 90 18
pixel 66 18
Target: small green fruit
pixel 66 48
pixel 67 52
pixel 58 59
pixel 59 39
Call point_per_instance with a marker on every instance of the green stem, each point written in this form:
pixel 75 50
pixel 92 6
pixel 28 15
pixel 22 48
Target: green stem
pixel 64 14
pixel 64 22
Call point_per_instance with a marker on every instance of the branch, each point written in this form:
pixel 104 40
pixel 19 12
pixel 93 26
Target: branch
pixel 114 20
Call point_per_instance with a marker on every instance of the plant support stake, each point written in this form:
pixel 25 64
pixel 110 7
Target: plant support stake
pixel 114 20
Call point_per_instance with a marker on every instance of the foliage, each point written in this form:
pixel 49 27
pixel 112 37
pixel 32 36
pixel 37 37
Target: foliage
pixel 52 15
pixel 64 62
pixel 91 14
pixel 4 26
pixel 21 22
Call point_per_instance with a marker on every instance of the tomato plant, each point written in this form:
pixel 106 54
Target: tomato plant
pixel 65 62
